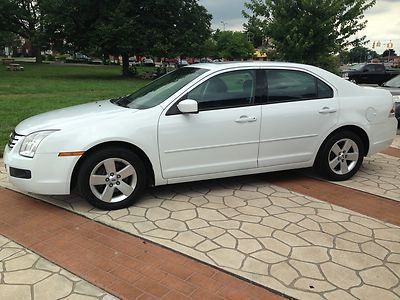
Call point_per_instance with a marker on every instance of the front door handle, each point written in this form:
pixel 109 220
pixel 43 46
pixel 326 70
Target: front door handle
pixel 246 119
pixel 327 110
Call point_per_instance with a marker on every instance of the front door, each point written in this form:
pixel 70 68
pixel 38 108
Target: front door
pixel 223 136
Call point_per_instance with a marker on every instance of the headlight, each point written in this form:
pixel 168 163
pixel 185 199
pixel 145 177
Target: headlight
pixel 396 98
pixel 31 143
pixel 345 75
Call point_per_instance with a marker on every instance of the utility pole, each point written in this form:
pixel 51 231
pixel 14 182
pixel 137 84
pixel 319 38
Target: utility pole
pixel 224 24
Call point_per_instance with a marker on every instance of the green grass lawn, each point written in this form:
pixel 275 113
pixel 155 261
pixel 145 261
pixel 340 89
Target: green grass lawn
pixel 40 88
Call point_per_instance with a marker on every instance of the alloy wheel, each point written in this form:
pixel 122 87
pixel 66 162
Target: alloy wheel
pixel 343 156
pixel 113 180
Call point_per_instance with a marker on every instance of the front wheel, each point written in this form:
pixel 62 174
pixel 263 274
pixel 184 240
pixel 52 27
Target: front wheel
pixel 111 178
pixel 341 156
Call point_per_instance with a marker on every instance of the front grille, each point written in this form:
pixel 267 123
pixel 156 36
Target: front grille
pixel 14 138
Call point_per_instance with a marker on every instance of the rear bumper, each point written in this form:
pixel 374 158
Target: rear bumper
pixel 382 136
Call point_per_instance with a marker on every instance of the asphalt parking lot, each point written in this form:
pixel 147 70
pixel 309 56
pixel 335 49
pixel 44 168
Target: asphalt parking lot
pixel 299 238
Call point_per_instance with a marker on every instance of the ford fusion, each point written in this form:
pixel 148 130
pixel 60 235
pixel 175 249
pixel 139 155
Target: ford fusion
pixel 202 122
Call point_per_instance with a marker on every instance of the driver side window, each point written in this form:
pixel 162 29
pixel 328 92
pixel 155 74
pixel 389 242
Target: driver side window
pixel 226 90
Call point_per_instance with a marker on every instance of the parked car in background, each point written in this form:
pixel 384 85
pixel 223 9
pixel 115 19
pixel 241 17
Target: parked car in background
pixel 78 58
pixel 171 61
pixel 201 122
pixel 148 62
pixel 182 63
pixel 393 86
pixel 369 73
pixel 205 60
pixel 132 61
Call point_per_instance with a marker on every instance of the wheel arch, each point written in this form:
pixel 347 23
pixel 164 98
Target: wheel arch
pixel 355 129
pixel 133 148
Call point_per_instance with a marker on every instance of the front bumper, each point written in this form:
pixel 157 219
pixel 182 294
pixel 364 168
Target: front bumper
pixel 50 174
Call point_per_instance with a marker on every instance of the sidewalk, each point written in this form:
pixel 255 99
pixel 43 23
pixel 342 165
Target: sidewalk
pixel 276 235
pixel 28 276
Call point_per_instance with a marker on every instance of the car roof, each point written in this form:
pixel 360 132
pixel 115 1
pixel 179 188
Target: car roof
pixel 227 65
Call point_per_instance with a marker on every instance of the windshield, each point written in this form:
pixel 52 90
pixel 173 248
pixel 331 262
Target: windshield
pixel 394 82
pixel 357 67
pixel 160 89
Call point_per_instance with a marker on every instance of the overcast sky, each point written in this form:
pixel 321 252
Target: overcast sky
pixel 383 20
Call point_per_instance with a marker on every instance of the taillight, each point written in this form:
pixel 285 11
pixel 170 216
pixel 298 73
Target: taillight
pixel 392 111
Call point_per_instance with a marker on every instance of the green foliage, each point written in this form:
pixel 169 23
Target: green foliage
pixel 389 52
pixel 26 19
pixel 232 45
pixel 163 28
pixel 208 48
pixel 359 54
pixel 9 39
pixel 308 31
pixel 119 27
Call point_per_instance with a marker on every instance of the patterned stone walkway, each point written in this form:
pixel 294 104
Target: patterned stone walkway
pixel 286 241
pixel 124 265
pixel 396 142
pixel 379 175
pixel 25 275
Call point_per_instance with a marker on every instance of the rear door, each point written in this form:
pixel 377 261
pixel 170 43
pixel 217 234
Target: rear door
pixel 300 109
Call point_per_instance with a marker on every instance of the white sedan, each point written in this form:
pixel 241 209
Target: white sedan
pixel 201 122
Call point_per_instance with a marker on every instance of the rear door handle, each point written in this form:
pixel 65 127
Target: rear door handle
pixel 246 119
pixel 327 110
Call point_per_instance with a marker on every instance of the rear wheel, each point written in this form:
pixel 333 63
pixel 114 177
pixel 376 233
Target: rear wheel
pixel 112 178
pixel 341 156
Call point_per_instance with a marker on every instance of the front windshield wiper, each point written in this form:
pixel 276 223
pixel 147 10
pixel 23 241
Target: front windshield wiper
pixel 121 101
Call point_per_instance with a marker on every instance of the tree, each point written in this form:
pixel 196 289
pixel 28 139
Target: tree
pixel 124 27
pixel 208 49
pixel 389 52
pixel 360 54
pixel 25 18
pixel 9 39
pixel 233 45
pixel 309 31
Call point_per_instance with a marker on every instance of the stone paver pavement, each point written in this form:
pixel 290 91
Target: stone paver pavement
pixel 379 175
pixel 25 275
pixel 396 142
pixel 286 241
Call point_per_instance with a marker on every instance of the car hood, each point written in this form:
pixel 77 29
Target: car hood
pixel 98 111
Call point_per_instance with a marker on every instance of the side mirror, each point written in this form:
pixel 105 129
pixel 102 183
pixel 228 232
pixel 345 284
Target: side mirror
pixel 188 106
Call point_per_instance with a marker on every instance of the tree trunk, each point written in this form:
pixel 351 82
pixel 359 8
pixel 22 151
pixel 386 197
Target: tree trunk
pixel 125 65
pixel 105 57
pixel 36 51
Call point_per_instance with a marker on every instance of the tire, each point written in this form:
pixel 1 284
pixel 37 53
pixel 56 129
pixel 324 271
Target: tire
pixel 340 156
pixel 111 178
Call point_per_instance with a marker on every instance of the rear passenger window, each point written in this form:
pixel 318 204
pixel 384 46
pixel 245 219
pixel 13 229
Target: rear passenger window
pixel 379 68
pixel 287 85
pixel 369 68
